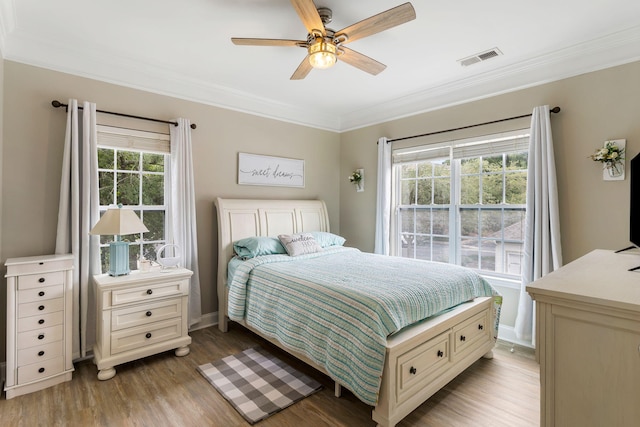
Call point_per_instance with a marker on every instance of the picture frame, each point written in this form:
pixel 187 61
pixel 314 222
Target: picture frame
pixel 256 169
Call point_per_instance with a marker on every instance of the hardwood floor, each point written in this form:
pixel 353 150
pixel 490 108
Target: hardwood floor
pixel 165 390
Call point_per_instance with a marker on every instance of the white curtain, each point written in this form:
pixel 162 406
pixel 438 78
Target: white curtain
pixel 383 203
pixel 542 250
pixel 78 212
pixel 182 210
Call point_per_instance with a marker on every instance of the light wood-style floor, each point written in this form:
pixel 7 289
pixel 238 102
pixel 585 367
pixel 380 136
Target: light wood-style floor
pixel 165 390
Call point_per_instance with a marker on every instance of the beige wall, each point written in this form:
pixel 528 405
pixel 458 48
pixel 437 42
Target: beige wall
pixel 34 137
pixel 595 107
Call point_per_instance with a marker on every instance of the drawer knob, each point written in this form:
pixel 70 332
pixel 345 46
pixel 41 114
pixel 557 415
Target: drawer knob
pixel 463 338
pixel 41 336
pixel 41 307
pixel 148 335
pixel 480 327
pixel 148 313
pixel 41 370
pixel 41 353
pixel 149 291
pixel 41 293
pixel 412 370
pixel 41 280
pixel 41 321
pixel 440 353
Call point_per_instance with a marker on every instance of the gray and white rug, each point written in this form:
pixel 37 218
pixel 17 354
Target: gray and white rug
pixel 257 383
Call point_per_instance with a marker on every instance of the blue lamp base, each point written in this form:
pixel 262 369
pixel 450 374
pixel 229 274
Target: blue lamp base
pixel 118 258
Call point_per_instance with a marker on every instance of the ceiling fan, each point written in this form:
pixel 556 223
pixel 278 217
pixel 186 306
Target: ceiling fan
pixel 324 45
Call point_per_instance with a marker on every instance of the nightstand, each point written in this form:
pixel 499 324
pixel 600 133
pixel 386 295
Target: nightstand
pixel 140 314
pixel 39 313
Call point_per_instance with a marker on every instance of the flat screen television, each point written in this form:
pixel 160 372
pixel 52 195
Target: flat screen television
pixel 634 205
pixel 634 201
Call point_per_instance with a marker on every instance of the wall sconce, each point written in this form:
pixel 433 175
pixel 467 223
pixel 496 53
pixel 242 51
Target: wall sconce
pixel 357 178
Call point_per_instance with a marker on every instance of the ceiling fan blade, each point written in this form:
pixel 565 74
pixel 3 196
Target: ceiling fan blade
pixel 309 15
pixel 303 69
pixel 361 61
pixel 267 42
pixel 377 23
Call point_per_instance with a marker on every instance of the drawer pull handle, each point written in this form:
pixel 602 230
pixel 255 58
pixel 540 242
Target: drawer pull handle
pixel 41 353
pixel 41 321
pixel 480 327
pixel 41 280
pixel 41 370
pixel 41 336
pixel 440 353
pixel 149 291
pixel 148 313
pixel 148 335
pixel 463 338
pixel 41 293
pixel 412 370
pixel 41 307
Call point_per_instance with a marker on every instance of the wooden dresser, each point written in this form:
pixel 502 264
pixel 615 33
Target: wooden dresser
pixel 588 341
pixel 39 322
pixel 140 314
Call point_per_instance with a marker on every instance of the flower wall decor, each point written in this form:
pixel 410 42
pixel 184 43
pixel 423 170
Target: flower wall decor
pixel 357 178
pixel 612 157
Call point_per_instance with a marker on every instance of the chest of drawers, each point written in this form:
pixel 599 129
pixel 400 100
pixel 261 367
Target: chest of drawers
pixel 140 314
pixel 39 322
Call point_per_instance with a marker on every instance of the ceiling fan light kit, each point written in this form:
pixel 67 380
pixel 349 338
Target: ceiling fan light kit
pixel 325 45
pixel 322 54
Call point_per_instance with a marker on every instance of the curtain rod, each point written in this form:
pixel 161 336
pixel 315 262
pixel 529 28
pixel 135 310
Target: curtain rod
pixel 57 104
pixel 553 110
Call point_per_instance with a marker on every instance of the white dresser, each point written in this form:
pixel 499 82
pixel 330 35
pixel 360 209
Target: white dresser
pixel 588 341
pixel 39 322
pixel 140 314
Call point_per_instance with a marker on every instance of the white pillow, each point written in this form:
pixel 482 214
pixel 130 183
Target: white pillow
pixel 299 244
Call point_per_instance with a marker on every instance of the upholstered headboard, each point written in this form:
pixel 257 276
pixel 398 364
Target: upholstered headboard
pixel 240 218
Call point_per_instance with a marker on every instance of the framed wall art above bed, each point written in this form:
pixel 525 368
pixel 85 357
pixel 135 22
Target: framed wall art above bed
pixel 424 323
pixel 254 169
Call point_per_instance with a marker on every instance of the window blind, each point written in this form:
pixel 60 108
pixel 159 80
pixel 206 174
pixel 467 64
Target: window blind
pixel 133 140
pixel 486 145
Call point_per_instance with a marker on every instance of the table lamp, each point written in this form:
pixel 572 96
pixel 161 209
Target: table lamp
pixel 117 222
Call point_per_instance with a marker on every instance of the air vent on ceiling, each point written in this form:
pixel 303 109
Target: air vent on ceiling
pixel 492 53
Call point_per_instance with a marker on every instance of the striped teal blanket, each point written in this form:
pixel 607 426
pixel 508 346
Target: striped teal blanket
pixel 337 307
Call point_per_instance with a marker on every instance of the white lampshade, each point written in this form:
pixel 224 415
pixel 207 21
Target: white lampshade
pixel 118 221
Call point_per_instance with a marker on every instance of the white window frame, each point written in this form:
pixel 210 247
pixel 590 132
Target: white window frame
pixel 488 145
pixel 123 139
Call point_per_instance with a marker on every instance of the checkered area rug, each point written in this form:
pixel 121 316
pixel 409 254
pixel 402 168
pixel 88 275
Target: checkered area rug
pixel 257 383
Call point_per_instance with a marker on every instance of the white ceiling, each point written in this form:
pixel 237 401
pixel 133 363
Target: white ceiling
pixel 183 49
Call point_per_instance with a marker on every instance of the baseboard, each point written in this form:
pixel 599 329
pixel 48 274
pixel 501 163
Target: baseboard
pixel 508 333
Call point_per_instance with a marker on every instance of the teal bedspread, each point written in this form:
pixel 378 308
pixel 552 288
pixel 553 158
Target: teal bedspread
pixel 337 307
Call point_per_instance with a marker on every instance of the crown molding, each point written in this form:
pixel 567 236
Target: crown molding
pixel 614 49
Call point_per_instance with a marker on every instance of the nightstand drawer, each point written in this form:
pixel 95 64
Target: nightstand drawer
pixel 144 314
pixel 140 294
pixel 39 337
pixel 41 321
pixel 39 280
pixel 37 371
pixel 40 307
pixel 40 294
pixel 40 353
pixel 142 336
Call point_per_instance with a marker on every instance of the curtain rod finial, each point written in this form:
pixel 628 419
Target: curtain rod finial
pixel 555 110
pixel 56 103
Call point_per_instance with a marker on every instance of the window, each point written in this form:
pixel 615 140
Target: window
pixel 463 202
pixel 132 172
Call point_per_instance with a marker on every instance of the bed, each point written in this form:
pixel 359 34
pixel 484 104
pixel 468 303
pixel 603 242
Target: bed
pixel 392 362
